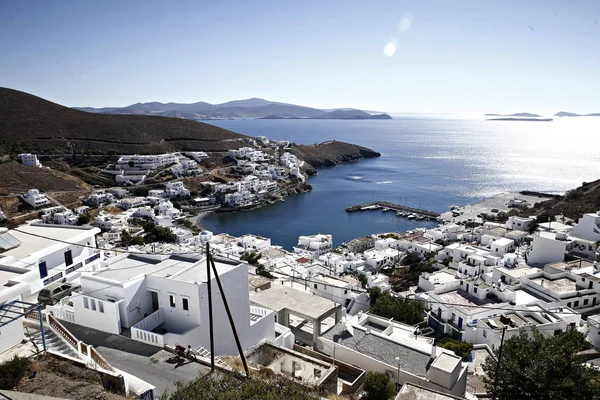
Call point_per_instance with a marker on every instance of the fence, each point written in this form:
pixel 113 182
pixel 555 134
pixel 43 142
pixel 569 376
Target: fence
pixel 142 331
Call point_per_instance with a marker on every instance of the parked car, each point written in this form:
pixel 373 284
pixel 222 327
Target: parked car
pixel 52 293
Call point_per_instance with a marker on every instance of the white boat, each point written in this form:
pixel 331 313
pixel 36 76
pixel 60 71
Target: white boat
pixel 412 216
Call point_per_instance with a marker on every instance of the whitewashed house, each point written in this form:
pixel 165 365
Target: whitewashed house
pixel 254 242
pixel 29 159
pixel 313 246
pixel 519 223
pixel 163 300
pixel 34 198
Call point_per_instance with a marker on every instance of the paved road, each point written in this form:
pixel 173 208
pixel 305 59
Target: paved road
pixel 152 364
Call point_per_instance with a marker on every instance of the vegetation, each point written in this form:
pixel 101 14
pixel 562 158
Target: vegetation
pixel 12 371
pixel 462 349
pixel 389 235
pixel 379 386
pixel 363 280
pixel 374 294
pixel 235 387
pixel 155 233
pixel 402 310
pixel 252 259
pixel 127 239
pixel 542 368
pixel 83 219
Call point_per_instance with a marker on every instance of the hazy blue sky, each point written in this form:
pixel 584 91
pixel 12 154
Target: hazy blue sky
pixel 399 56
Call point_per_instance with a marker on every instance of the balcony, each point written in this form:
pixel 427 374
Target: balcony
pixel 258 313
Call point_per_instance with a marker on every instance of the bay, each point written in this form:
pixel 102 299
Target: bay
pixel 430 162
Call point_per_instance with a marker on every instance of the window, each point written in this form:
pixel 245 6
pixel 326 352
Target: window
pixel 172 301
pixel 185 304
pixel 315 286
pixel 484 333
pixel 85 302
pixel 43 269
pixel 582 279
pixel 585 302
pixel 474 290
pixel 568 304
pixel 93 303
pixel 453 316
pixel 576 303
pixel 68 257
pixel 100 306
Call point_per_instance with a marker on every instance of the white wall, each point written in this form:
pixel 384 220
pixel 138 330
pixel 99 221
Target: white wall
pixel 104 318
pixel 545 250
pixel 11 334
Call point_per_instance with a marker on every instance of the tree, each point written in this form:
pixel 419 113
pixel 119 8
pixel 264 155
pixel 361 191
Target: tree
pixel 542 367
pixel 83 219
pixel 462 349
pixel 379 386
pixel 363 280
pixel 374 293
pixel 402 310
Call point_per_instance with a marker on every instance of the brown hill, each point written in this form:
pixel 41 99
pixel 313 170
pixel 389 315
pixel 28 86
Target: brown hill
pixel 573 204
pixel 331 153
pixel 30 123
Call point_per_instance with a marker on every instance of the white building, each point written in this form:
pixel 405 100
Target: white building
pixel 28 263
pixel 198 156
pixel 519 223
pixel 254 242
pixel 313 246
pixel 34 198
pixel 173 189
pixel 29 159
pixel 500 247
pixel 150 162
pixel 547 247
pixel 588 227
pixel 377 344
pixel 163 300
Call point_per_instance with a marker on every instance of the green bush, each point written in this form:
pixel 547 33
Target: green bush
pixel 402 310
pixel 462 349
pixel 12 371
pixel 379 386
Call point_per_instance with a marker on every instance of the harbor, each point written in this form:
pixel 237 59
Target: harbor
pixel 400 210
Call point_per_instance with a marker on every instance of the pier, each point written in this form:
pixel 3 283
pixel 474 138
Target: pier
pixel 375 205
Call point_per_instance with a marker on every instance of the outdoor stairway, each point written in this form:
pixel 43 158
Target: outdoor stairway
pixel 53 342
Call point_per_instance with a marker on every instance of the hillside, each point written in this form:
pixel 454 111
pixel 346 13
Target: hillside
pixel 30 123
pixel 331 153
pixel 521 114
pixel 573 204
pixel 249 108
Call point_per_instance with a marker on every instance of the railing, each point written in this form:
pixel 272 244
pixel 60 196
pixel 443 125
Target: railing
pixel 98 359
pixel 63 332
pixel 142 331
pixel 92 258
pixel 65 313
pixel 259 311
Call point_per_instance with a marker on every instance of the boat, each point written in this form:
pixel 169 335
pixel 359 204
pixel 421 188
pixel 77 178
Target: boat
pixel 420 217
pixel 412 216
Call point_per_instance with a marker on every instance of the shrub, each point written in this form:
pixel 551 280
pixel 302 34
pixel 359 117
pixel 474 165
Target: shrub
pixel 379 386
pixel 12 371
pixel 462 349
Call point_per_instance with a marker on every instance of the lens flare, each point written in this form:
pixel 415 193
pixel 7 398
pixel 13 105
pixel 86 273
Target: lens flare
pixel 389 49
pixel 406 22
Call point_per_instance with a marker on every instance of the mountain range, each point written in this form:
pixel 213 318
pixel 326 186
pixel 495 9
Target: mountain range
pixel 521 114
pixel 249 108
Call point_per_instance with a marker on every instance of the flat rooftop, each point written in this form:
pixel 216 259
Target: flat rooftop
pixel 381 349
pixel 413 392
pixel 40 237
pixel 446 362
pixel 562 285
pixel 463 301
pixel 175 267
pixel 281 297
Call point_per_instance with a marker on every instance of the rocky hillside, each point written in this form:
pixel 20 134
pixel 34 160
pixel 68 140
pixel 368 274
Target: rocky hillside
pixel 30 123
pixel 573 204
pixel 332 153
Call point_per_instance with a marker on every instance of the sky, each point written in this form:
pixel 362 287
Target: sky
pixel 426 56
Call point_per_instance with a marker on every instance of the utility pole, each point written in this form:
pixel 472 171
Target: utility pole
pixel 210 310
pixel 498 364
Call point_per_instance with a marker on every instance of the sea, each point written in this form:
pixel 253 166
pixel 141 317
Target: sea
pixel 427 161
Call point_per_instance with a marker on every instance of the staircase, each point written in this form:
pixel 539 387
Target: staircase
pixel 205 354
pixel 53 342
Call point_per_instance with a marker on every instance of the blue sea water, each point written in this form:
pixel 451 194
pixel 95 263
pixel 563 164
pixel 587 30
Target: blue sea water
pixel 427 162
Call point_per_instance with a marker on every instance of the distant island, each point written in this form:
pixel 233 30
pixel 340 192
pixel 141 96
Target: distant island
pixel 249 108
pixel 570 114
pixel 337 114
pixel 522 116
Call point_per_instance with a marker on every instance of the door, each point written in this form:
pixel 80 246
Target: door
pixel 460 321
pixel 43 270
pixel 155 305
pixel 594 301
